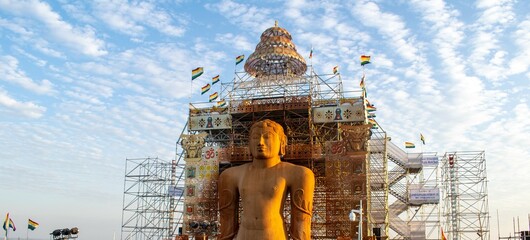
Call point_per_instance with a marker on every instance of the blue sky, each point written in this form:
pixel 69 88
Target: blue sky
pixel 86 84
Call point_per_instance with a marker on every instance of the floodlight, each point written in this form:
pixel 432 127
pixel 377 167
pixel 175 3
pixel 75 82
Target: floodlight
pixel 65 231
pixel 56 232
pixel 204 224
pixel 352 216
pixel 194 224
pixel 214 224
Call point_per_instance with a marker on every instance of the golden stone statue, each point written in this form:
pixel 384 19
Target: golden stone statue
pixel 263 186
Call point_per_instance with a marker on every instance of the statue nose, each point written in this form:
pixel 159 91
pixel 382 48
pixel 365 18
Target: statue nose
pixel 261 141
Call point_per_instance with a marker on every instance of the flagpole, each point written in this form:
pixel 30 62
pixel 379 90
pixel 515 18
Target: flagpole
pixel 311 56
pixel 421 145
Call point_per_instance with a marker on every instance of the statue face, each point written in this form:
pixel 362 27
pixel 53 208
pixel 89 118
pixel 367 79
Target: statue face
pixel 264 143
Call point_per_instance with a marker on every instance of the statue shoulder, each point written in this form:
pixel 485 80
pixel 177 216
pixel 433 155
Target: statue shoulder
pixel 233 172
pixel 297 170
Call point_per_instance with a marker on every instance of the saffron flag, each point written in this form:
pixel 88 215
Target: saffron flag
pixel 311 53
pixel 221 103
pixel 370 108
pixel 213 96
pixel 195 73
pixel 361 84
pixel 365 60
pixel 363 87
pixel 205 89
pixel 373 122
pixel 422 139
pixel 335 69
pixel 215 79
pixel 368 102
pixel 8 223
pixel 443 235
pixel 32 224
pixel 240 59
pixel 409 145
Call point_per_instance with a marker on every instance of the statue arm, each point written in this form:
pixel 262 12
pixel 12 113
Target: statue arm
pixel 228 205
pixel 302 204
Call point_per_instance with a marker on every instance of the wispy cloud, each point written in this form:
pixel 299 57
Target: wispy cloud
pixel 487 58
pixel 300 12
pixel 28 109
pixel 521 61
pixel 10 72
pixel 405 88
pixel 403 42
pixel 465 91
pixel 81 39
pixel 165 67
pixel 495 13
pixel 132 18
pixel 390 25
pixel 238 42
pixel 250 17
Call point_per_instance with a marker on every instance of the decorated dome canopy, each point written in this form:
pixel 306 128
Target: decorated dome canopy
pixel 275 54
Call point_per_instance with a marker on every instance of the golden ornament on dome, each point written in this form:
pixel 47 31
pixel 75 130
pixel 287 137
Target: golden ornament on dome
pixel 275 54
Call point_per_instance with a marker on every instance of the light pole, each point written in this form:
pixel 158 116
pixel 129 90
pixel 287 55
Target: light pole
pixel 352 218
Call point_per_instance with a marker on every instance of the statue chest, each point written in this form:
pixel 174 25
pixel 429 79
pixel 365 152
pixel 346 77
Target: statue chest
pixel 264 184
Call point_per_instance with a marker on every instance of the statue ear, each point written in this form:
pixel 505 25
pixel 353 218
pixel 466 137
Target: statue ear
pixel 283 144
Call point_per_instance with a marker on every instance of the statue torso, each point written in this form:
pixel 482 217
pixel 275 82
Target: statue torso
pixel 263 192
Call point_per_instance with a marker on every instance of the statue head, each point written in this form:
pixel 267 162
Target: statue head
pixel 271 133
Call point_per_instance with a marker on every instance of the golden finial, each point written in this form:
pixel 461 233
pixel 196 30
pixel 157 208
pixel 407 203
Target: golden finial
pixel 275 54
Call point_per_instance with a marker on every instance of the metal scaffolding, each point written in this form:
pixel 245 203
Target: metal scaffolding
pixel 465 206
pixel 146 203
pixel 424 197
pixel 378 187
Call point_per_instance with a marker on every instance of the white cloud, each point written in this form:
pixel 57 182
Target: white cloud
pixel 97 68
pixel 238 42
pixel 14 27
pixel 98 87
pixel 402 42
pixel 158 69
pixel 82 39
pixel 467 92
pixel 495 12
pixel 10 72
pixel 300 12
pixel 250 17
pixel 130 18
pixel 82 95
pixel 27 109
pixel 390 25
pixel 40 62
pixel 521 61
pixel 489 28
pixel 78 11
